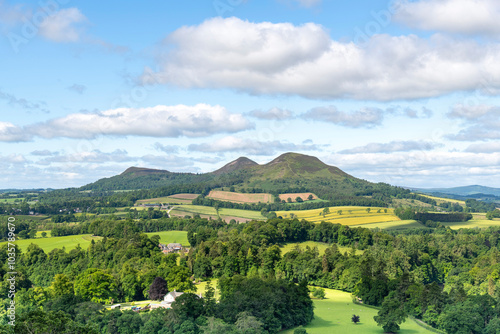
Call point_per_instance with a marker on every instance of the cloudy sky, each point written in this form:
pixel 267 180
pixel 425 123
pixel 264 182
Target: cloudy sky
pixel 403 92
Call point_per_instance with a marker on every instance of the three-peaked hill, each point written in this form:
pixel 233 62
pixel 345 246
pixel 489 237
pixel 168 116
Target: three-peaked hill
pixel 290 172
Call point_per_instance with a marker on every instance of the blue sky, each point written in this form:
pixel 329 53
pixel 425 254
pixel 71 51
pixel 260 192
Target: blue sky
pixel 404 92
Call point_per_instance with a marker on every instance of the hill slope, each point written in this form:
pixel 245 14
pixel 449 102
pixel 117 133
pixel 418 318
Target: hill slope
pixel 290 172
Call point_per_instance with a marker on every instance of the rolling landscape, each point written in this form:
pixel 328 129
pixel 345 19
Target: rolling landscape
pixel 250 167
pixel 359 250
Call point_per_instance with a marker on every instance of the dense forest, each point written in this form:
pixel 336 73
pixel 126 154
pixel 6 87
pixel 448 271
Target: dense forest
pixel 447 278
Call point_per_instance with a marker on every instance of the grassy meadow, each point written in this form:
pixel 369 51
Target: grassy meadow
pixel 168 237
pixel 47 244
pixel 350 215
pixel 311 244
pixel 333 315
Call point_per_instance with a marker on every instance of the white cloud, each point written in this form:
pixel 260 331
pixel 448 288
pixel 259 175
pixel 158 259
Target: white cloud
pixel 277 114
pixel 452 16
pixel 166 148
pixel 95 156
pixel 11 133
pixel 393 146
pixel 367 117
pixel 249 146
pixel 62 26
pixel 161 121
pixel 492 147
pixel 268 58
pixel 11 15
pixel 482 122
pixel 421 168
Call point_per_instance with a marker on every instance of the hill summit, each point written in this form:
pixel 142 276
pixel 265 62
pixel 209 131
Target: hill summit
pixel 238 164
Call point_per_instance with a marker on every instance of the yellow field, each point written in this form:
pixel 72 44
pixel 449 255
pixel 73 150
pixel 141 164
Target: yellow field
pixel 440 200
pixel 351 215
pixel 479 221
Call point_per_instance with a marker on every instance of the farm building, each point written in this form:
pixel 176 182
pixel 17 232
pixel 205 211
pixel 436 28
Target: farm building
pixel 171 248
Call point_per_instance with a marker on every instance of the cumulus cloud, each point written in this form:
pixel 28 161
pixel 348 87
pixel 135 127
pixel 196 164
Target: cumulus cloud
pixel 166 148
pixel 492 147
pixel 367 117
pixel 277 114
pixel 95 156
pixel 482 122
pixel 62 26
pixel 161 121
pixel 282 58
pixel 451 16
pixel 11 133
pixel 421 168
pixel 44 153
pixel 393 146
pixel 249 146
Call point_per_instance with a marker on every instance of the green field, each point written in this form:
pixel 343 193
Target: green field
pixel 333 315
pixel 167 237
pixel 48 244
pixel 241 213
pixel 71 241
pixel 11 200
pixel 478 221
pixel 320 245
pixel 350 215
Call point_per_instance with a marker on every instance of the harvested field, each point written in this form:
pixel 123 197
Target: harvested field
pixel 229 196
pixel 184 196
pixel 293 196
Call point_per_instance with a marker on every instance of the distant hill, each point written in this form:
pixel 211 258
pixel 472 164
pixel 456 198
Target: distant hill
pixel 290 172
pixel 466 191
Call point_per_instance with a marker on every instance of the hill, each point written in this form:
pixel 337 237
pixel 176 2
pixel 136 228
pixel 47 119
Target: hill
pixel 288 173
pixel 481 193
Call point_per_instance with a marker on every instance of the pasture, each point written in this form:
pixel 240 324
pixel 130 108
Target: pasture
pixel 174 199
pixel 293 196
pixel 234 197
pixel 168 237
pixel 333 315
pixel 478 221
pixel 345 215
pixel 47 244
pixel 311 244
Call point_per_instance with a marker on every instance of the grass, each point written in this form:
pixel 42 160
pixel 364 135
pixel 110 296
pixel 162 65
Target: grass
pixel 47 244
pixel 168 199
pixel 11 200
pixel 333 315
pixel 320 245
pixel 478 221
pixel 351 215
pixel 196 209
pixel 168 237
pixel 241 213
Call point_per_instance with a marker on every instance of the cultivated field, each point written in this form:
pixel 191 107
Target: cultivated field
pixel 393 225
pixel 210 212
pixel 350 215
pixel 440 200
pixel 293 196
pixel 229 196
pixel 333 315
pixel 177 199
